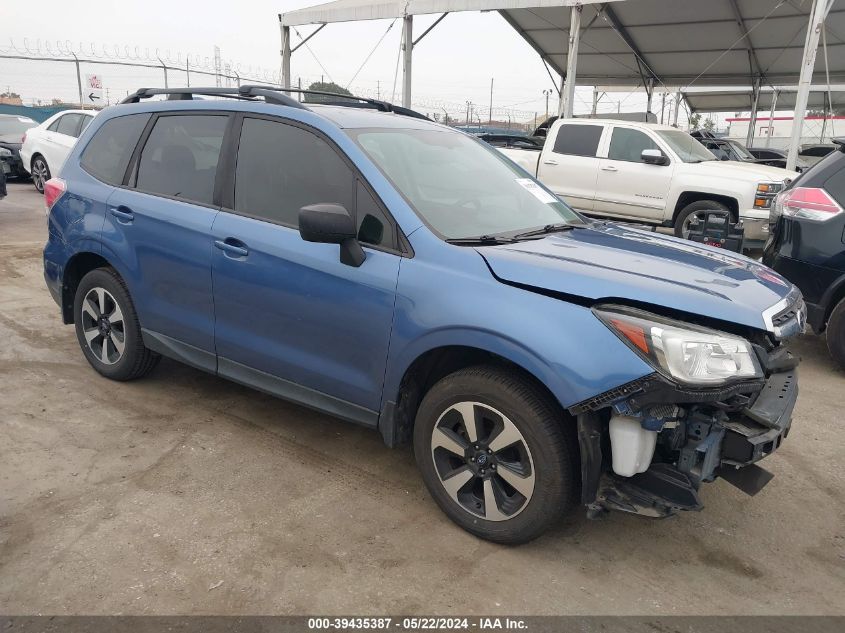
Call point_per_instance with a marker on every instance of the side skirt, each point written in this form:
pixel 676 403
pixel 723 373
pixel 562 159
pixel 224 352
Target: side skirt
pixel 273 385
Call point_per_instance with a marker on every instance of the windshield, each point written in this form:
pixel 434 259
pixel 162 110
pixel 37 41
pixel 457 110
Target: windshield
pixel 460 186
pixel 15 125
pixel 688 149
pixel 740 149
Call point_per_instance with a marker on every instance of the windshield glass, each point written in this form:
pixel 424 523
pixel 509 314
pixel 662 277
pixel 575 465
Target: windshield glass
pixel 15 125
pixel 688 149
pixel 460 186
pixel 740 149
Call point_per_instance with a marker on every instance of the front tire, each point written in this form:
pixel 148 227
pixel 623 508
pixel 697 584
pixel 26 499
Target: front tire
pixel 836 333
pixel 107 327
pixel 40 172
pixel 695 210
pixel 496 454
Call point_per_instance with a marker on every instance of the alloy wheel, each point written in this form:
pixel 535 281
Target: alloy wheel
pixel 40 173
pixel 483 461
pixel 103 326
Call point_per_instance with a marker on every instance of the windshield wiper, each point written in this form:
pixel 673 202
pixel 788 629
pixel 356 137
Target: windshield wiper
pixel 480 239
pixel 549 228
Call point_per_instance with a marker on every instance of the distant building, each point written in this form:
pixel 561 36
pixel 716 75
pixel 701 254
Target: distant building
pixel 10 99
pixel 816 129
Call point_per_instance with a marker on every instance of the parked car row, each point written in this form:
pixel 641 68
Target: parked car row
pixel 408 277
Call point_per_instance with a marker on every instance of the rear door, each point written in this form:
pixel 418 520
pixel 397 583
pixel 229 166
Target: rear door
pixel 290 317
pixel 160 226
pixel 63 139
pixel 569 164
pixel 627 187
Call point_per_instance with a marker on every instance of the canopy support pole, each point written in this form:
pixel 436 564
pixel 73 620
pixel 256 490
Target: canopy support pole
pixel 286 53
pixel 567 97
pixel 752 122
pixel 407 58
pixel 808 62
pixel 677 109
pixel 649 90
pixel 772 118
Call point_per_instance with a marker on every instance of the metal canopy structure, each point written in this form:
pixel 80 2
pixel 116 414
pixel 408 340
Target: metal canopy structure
pixel 780 97
pixel 638 42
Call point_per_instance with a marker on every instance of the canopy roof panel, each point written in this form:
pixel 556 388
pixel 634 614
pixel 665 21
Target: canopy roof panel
pixel 739 99
pixel 677 42
pixel 355 10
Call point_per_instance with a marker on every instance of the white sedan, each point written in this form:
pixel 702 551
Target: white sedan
pixel 46 147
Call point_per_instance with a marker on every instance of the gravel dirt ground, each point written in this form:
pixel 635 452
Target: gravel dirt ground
pixel 184 494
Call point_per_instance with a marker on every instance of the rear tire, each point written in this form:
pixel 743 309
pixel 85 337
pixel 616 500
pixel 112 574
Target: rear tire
pixel 682 222
pixel 518 475
pixel 107 327
pixel 40 172
pixel 836 333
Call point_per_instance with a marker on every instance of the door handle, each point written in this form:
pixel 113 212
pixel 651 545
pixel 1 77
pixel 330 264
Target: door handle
pixel 609 168
pixel 123 214
pixel 232 247
pixel 549 161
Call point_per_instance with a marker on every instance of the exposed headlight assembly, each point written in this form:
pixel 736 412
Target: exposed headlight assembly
pixel 685 353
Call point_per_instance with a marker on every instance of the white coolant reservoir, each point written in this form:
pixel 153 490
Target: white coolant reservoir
pixel 632 445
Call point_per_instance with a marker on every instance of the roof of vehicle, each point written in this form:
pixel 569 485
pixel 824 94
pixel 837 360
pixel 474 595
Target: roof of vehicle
pixel 640 124
pixel 348 117
pixel 16 116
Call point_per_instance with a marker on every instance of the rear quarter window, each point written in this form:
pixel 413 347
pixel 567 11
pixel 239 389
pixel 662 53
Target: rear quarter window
pixel 108 153
pixel 835 184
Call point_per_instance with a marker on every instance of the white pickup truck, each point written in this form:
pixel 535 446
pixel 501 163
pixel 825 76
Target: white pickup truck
pixel 649 173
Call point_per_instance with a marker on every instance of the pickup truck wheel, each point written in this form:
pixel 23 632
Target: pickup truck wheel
pixel 495 454
pixel 695 210
pixel 836 333
pixel 107 327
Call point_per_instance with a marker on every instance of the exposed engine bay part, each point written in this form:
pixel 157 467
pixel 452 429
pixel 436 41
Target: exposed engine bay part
pixel 649 456
pixel 631 445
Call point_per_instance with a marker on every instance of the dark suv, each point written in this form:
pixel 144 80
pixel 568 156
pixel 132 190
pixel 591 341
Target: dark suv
pixel 807 244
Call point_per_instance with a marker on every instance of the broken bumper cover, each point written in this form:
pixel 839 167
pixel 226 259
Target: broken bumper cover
pixel 709 446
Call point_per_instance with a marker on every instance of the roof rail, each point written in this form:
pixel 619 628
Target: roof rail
pixel 274 95
pixel 270 95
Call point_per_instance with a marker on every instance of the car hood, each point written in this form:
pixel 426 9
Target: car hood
pixel 611 263
pixel 735 169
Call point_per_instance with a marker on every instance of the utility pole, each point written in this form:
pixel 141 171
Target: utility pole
pixel 547 93
pixel 469 105
pixel 490 120
pixel 378 89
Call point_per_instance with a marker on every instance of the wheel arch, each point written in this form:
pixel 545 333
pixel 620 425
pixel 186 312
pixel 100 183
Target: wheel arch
pixel 79 265
pixel 688 197
pixel 832 297
pixel 405 387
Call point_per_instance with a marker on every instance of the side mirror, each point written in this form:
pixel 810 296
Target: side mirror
pixel 654 157
pixel 331 224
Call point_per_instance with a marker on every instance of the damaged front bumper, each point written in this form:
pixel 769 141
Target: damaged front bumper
pixel 696 435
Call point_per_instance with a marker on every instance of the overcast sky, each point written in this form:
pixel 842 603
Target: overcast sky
pixel 453 64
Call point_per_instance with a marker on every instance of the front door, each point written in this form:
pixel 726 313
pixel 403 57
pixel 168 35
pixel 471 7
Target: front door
pixel 628 187
pixel 290 317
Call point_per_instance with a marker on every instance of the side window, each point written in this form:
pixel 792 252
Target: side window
pixel 107 155
pixel 180 157
pixel 578 140
pixel 54 126
pixel 373 227
pixel 835 185
pixel 282 168
pixel 718 150
pixel 69 124
pixel 628 145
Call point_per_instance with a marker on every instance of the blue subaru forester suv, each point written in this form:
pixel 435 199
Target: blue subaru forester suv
pixel 363 261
